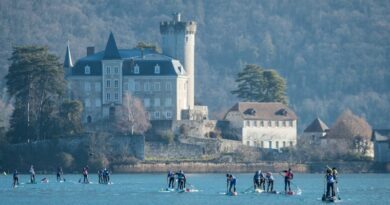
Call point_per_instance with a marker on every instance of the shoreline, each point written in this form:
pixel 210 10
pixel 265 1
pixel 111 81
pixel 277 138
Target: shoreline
pixel 275 167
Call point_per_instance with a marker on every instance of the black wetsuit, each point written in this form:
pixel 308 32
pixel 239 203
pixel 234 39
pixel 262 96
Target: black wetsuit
pixel 171 180
pixel 16 178
pixel 59 174
pixel 287 180
pixel 181 180
pixel 256 180
pixel 330 185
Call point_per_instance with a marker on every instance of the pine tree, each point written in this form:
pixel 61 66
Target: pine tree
pixel 35 80
pixel 258 85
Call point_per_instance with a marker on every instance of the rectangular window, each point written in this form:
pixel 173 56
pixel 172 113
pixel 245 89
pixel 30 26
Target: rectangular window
pixel 146 86
pixel 116 96
pixel 169 114
pixel 98 102
pixel 116 83
pixel 157 115
pixel 270 144
pixel 168 86
pixel 108 97
pixel 262 144
pixel 247 123
pixel 137 86
pixel 97 87
pixel 291 143
pixel 277 144
pixel 87 103
pixel 156 102
pixel 116 70
pixel 168 102
pixel 108 84
pixel 108 70
pixel 284 123
pixel 284 143
pixel 146 102
pixel 277 123
pixel 262 123
pixel 131 86
pixel 255 123
pixel 291 123
pixel 269 123
pixel 156 86
pixel 87 86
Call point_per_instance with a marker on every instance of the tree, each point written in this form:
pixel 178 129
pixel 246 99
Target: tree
pixel 351 134
pixel 258 85
pixel 131 116
pixel 35 81
pixel 70 114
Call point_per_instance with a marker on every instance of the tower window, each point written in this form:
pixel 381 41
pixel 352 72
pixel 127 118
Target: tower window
pixel 108 84
pixel 136 69
pixel 157 69
pixel 87 70
pixel 108 70
pixel 116 96
pixel 108 96
pixel 116 69
pixel 116 83
pixel 157 115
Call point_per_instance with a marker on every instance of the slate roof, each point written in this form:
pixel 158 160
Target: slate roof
pixel 264 111
pixel 380 135
pixel 317 126
pixel 68 58
pixel 111 52
pixel 146 59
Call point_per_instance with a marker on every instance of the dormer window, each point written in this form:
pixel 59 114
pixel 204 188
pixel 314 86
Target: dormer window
pixel 157 69
pixel 87 70
pixel 250 111
pixel 136 69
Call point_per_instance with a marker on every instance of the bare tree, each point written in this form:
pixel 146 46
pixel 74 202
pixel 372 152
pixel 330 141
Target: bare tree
pixel 131 116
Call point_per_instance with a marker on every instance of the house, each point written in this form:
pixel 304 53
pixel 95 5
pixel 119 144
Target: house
pixel 381 140
pixel 267 125
pixel 315 133
pixel 164 82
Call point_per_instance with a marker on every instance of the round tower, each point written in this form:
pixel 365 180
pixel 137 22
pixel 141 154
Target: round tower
pixel 178 41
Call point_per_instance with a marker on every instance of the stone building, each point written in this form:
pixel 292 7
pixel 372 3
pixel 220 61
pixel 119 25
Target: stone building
pixel 163 81
pixel 267 125
pixel 315 133
pixel 381 140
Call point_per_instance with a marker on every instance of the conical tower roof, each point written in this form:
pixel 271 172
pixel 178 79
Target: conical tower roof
pixel 317 126
pixel 68 58
pixel 111 52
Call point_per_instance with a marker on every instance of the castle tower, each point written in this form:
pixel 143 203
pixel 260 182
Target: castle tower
pixel 68 64
pixel 178 41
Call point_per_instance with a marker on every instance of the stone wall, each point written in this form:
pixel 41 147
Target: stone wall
pixel 200 128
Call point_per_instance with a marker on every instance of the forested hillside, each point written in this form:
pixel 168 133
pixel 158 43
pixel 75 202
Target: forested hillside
pixel 334 54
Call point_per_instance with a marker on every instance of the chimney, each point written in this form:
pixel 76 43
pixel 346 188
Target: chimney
pixel 90 50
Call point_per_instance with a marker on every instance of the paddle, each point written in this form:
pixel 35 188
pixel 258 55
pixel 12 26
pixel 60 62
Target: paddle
pixel 247 190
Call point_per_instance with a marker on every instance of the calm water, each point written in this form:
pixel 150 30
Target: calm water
pixel 144 189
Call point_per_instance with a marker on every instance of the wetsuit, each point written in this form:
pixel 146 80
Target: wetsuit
pixel 100 176
pixel 171 180
pixel 330 184
pixel 32 177
pixel 262 181
pixel 106 176
pixel 256 180
pixel 59 174
pixel 16 178
pixel 233 181
pixel 287 180
pixel 181 180
pixel 270 179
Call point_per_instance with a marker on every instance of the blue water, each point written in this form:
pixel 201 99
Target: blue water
pixel 144 189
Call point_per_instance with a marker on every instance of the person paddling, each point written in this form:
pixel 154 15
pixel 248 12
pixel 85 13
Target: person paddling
pixel 171 180
pixel 59 174
pixel 181 180
pixel 288 176
pixel 32 175
pixel 85 175
pixel 232 179
pixel 256 180
pixel 15 178
pixel 270 182
pixel 330 180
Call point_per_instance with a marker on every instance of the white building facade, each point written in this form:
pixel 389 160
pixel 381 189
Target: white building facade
pixel 166 87
pixel 266 125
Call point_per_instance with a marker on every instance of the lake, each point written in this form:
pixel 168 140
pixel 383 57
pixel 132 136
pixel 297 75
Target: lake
pixel 144 189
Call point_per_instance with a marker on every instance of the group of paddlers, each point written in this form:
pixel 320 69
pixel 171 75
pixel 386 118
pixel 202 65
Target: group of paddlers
pixel 181 180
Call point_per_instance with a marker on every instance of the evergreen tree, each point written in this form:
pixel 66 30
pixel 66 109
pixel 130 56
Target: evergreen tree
pixel 35 80
pixel 258 85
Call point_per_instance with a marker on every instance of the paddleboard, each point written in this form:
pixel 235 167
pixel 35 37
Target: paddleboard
pixel 330 199
pixel 231 194
pixel 259 190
